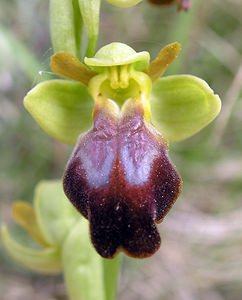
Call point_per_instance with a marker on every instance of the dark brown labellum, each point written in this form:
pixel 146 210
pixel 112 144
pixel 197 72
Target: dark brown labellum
pixel 121 179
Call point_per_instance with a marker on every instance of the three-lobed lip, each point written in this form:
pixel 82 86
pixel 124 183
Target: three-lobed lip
pixel 121 179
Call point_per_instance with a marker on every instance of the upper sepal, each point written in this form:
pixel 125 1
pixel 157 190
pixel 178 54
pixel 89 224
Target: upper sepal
pixel 62 108
pixel 182 105
pixel 118 54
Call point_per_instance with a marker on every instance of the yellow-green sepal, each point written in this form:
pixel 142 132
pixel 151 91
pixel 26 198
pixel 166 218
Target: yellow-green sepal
pixel 55 214
pixel 62 108
pixel 182 105
pixel 46 261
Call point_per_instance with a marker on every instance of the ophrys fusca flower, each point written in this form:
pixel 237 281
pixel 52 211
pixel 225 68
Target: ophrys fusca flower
pixel 120 176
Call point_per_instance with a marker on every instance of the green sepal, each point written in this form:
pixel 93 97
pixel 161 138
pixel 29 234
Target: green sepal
pixel 62 108
pixel 67 65
pixel 82 266
pixel 46 261
pixel 62 25
pixel 55 214
pixel 182 105
pixel 90 11
pixel 124 3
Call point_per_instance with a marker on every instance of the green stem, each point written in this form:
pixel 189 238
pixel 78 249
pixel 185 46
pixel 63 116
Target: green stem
pixel 111 275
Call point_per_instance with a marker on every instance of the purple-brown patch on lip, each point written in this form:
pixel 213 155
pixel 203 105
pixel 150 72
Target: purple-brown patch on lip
pixel 121 179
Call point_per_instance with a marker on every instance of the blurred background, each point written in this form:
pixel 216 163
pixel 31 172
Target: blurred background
pixel 201 255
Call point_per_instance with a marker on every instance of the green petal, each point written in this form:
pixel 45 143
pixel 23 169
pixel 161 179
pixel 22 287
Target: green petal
pixel 67 65
pixel 24 215
pixel 124 3
pixel 62 24
pixel 90 11
pixel 82 266
pixel 46 261
pixel 182 105
pixel 55 214
pixel 165 57
pixel 62 108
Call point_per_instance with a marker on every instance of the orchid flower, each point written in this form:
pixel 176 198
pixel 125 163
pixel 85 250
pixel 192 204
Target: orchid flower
pixel 122 117
pixel 57 241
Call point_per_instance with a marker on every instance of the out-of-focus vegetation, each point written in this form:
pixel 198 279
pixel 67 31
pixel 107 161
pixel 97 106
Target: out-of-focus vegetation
pixel 201 255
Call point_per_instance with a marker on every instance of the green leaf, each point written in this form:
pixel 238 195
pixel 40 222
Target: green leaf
pixel 182 105
pixel 111 275
pixel 46 261
pixel 90 11
pixel 83 267
pixel 62 108
pixel 55 215
pixel 124 3
pixel 62 24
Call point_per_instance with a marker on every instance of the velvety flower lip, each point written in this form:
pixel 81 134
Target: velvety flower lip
pixel 121 179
